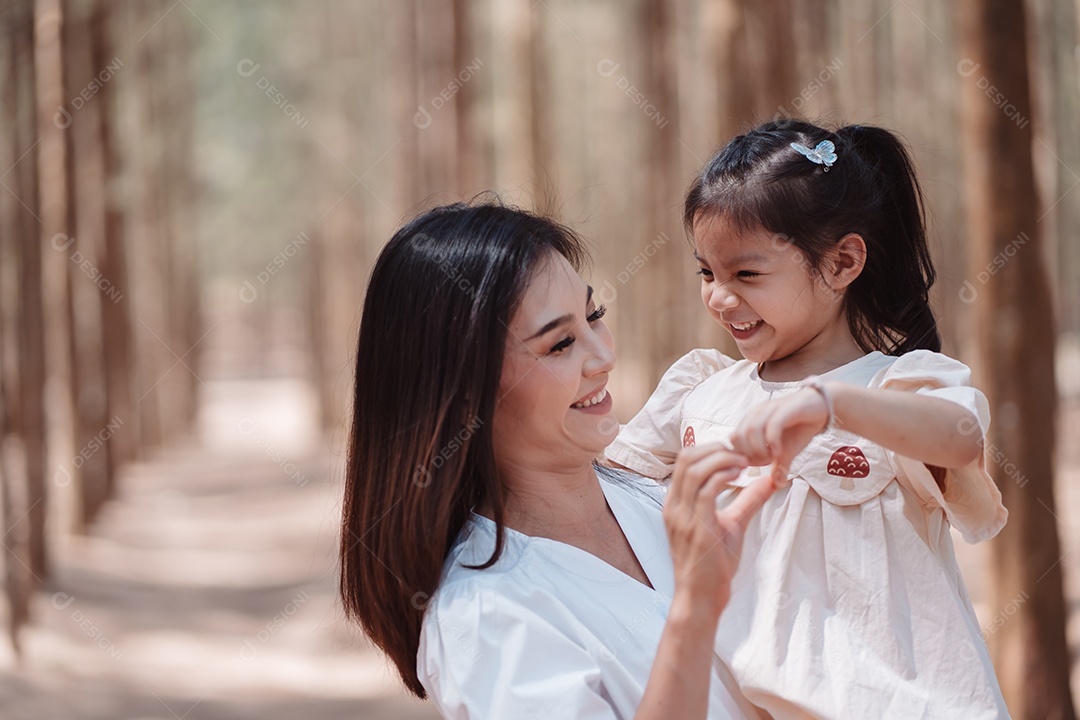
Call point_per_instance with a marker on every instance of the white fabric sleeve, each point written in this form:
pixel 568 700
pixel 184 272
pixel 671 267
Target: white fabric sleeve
pixel 484 656
pixel 972 502
pixel 649 443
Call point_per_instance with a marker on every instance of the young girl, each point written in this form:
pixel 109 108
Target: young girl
pixel 848 602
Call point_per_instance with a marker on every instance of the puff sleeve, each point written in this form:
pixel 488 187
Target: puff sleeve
pixel 971 500
pixel 649 443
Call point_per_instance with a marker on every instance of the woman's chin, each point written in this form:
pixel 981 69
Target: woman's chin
pixel 594 435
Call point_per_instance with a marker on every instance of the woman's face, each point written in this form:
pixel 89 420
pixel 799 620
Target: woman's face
pixel 553 408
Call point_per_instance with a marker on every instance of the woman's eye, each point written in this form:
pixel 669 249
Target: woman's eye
pixel 748 274
pixel 598 313
pixel 705 273
pixel 562 345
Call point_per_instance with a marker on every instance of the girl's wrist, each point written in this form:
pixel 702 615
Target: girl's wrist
pixel 827 393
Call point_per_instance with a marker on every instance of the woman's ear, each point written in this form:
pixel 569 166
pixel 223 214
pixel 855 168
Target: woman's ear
pixel 846 259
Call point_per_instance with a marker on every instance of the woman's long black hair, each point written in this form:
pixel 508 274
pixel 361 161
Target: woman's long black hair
pixel 759 181
pixel 428 362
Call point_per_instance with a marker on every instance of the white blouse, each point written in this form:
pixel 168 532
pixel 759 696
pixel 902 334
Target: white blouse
pixel 552 631
pixel 848 602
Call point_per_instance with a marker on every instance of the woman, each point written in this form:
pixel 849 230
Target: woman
pixel 480 549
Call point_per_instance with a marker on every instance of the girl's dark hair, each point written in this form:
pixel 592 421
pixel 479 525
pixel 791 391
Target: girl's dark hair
pixel 759 181
pixel 432 336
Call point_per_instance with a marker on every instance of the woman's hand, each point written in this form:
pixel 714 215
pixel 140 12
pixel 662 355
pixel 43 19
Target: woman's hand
pixel 706 542
pixel 774 432
pixel 705 547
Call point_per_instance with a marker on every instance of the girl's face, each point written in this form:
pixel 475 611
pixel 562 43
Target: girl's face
pixel 764 292
pixel 553 408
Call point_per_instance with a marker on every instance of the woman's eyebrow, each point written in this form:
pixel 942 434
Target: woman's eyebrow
pixel 548 327
pixel 561 320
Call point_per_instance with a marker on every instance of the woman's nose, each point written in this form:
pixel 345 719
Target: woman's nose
pixel 602 357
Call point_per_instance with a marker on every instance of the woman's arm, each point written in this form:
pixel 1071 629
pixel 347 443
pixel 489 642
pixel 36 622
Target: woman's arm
pixel 705 548
pixel 463 659
pixel 934 431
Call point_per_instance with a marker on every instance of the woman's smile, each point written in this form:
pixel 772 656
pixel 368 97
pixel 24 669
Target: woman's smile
pixel 598 403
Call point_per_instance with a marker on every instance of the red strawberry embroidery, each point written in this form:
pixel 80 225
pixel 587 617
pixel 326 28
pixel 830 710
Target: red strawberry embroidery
pixel 688 437
pixel 849 462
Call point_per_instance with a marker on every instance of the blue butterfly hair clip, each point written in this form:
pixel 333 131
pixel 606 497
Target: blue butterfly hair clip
pixel 823 154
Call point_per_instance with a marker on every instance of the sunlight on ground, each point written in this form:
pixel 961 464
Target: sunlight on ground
pixel 207 589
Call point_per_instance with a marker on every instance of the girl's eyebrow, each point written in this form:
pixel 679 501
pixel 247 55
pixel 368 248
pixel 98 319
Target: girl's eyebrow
pixel 743 259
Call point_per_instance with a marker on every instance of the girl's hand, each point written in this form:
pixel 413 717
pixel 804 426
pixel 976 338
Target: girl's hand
pixel 706 542
pixel 776 431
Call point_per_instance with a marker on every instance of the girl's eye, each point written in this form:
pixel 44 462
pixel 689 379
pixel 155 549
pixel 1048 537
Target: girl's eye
pixel 598 313
pixel 705 273
pixel 562 345
pixel 748 274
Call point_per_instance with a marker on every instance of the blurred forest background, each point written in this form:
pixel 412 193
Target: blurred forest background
pixel 193 192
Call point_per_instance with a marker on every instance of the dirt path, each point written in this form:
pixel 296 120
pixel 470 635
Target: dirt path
pixel 207 588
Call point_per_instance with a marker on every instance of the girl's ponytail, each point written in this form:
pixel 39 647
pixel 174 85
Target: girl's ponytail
pixel 889 303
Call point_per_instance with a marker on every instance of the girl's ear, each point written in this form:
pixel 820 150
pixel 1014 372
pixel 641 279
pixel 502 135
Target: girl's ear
pixel 847 259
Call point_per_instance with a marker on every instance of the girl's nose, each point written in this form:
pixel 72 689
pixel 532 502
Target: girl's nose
pixel 722 299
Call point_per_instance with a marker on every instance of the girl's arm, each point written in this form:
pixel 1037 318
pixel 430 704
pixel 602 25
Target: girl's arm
pixel 934 431
pixel 705 548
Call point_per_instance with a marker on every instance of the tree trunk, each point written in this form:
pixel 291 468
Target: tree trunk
pixel 1016 356
pixel 86 220
pixel 727 53
pixel 56 262
pixel 154 358
pixel 466 162
pixel 22 350
pixel 435 55
pixel 112 260
pixel 668 270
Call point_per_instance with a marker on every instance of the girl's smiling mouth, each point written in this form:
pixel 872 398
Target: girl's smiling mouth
pixel 742 331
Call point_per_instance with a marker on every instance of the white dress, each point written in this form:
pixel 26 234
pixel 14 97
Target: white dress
pixel 551 631
pixel 848 602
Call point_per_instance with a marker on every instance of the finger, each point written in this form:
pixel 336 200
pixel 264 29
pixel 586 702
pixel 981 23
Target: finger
pixel 717 483
pixel 774 417
pixel 774 435
pixel 740 436
pixel 686 480
pixel 779 471
pixel 749 501
pixel 719 469
pixel 718 460
pixel 751 442
pixel 694 453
